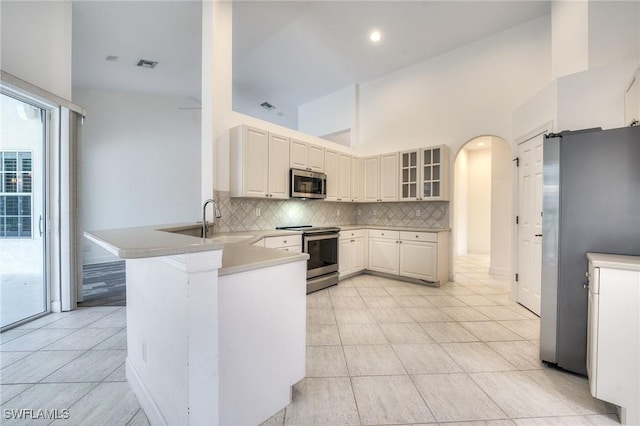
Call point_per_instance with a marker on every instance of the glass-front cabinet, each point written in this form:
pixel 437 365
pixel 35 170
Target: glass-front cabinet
pixel 424 174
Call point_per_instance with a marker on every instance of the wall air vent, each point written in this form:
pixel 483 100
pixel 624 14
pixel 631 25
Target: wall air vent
pixel 144 63
pixel 267 106
pixel 111 58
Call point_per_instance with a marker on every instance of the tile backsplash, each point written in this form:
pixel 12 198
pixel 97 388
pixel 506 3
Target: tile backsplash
pixel 241 214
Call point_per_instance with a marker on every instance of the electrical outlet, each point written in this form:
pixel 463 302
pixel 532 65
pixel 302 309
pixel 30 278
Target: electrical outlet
pixel 257 212
pixel 417 212
pixel 338 212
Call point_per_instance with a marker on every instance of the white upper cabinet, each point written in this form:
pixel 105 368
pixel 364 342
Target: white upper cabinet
pixel 259 163
pixel 434 173
pixel 306 156
pixel 424 174
pixel 344 177
pixel 332 170
pixel 338 171
pixel 371 179
pixel 389 177
pixel 278 184
pixel 356 186
pixel 380 178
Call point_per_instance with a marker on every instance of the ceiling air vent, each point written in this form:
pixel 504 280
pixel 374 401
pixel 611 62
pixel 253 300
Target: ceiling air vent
pixel 267 106
pixel 144 63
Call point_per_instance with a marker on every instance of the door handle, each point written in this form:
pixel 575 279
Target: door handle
pixel 40 225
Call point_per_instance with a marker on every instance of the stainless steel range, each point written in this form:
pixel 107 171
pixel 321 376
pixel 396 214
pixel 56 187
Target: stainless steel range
pixel 321 243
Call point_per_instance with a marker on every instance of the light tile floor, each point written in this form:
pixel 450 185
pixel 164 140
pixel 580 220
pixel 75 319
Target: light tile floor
pixel 379 352
pixel 383 352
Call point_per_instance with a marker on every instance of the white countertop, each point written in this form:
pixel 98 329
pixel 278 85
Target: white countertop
pixel 148 241
pixel 614 261
pixel 239 256
pixel 155 241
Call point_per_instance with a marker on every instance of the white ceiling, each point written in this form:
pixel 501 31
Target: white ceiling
pixel 291 52
pixel 284 52
pixel 168 32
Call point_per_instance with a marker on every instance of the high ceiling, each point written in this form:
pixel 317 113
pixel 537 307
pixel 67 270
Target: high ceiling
pixel 284 52
pixel 291 52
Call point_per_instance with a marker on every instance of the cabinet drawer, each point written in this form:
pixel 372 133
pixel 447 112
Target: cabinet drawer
pixel 431 237
pixel 379 233
pixel 355 233
pixel 285 241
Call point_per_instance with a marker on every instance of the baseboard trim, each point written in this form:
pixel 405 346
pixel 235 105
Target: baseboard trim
pixel 144 399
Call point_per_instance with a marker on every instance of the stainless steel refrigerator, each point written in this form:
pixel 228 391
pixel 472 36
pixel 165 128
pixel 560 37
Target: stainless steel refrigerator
pixel 591 203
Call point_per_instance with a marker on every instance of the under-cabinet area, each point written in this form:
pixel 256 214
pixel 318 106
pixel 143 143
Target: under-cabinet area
pixel 260 162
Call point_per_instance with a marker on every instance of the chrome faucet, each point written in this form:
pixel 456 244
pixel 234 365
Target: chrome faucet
pixel 217 214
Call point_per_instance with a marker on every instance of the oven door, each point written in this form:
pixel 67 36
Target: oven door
pixel 307 184
pixel 323 254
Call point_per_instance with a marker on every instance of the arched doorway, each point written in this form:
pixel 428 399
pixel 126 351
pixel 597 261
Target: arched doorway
pixel 482 212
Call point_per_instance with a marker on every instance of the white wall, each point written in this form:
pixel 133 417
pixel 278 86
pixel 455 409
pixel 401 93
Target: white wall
pixel 569 37
pixel 458 95
pixel 479 199
pixel 502 181
pixel 614 31
pixel 140 162
pixel 461 202
pixel 36 43
pixel 332 113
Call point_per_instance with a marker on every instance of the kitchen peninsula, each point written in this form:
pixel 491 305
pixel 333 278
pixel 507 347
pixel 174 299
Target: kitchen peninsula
pixel 207 324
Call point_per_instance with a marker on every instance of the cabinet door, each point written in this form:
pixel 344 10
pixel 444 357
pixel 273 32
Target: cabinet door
pixel 371 179
pixel 418 260
pixel 278 166
pixel 355 179
pixel 434 173
pixel 344 256
pixel 332 170
pixel 383 255
pixel 298 152
pixel 357 254
pixel 344 177
pixel 316 158
pixel 255 148
pixel 409 168
pixel 389 177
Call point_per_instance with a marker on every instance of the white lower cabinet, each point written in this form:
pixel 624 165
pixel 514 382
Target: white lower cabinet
pixel 287 243
pixel 383 251
pixel 418 260
pixel 613 333
pixel 351 251
pixel 420 255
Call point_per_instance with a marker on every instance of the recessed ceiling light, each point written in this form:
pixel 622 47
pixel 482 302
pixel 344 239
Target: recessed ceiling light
pixel 111 58
pixel 145 63
pixel 375 36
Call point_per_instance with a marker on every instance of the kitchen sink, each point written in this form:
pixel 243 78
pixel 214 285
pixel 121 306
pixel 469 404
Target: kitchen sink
pixel 196 231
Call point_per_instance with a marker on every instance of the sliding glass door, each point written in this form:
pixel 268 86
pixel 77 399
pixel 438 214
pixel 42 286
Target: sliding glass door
pixel 23 284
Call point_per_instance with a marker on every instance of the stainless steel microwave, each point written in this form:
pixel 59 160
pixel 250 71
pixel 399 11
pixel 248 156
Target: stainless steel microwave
pixel 305 184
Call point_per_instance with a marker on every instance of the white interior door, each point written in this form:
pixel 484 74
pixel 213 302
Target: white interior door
pixel 530 223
